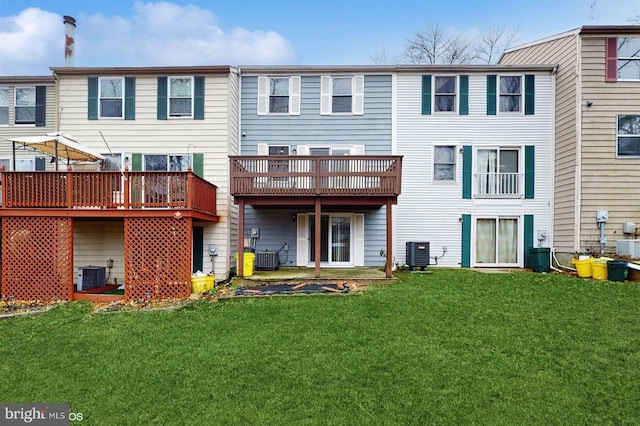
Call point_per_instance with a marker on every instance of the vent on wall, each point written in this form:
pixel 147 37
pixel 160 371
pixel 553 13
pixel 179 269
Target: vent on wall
pixel 267 260
pixel 417 255
pixel 91 277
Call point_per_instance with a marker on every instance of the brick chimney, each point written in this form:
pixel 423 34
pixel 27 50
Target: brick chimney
pixel 70 41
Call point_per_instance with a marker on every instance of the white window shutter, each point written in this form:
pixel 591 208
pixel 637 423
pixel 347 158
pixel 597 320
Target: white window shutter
pixel 294 95
pixel 263 149
pixel 358 258
pixel 325 95
pixel 358 95
pixel 263 95
pixel 302 240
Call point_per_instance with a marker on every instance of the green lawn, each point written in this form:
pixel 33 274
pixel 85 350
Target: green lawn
pixel 453 347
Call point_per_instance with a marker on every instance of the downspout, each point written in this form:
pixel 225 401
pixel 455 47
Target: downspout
pixel 552 180
pixel 578 153
pixel 240 232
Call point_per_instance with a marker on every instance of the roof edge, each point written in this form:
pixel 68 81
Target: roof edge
pixel 202 69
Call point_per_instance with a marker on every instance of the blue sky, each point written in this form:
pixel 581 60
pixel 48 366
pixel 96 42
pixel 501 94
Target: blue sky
pixel 203 32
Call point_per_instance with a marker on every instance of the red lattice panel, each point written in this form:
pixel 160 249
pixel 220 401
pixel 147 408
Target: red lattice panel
pixel 157 258
pixel 37 258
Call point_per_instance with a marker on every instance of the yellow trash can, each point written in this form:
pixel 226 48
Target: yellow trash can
pixel 599 269
pixel 583 267
pixel 198 284
pixel 247 266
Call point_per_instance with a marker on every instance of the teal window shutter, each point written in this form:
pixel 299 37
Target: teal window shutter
pixel 129 98
pixel 528 239
pixel 464 95
pixel 465 262
pixel 466 171
pixel 92 107
pixel 198 163
pixel 529 171
pixel 198 98
pixel 162 98
pixel 491 94
pixel 529 94
pixel 41 106
pixel 426 95
pixel 136 162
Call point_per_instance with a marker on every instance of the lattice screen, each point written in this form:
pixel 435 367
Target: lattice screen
pixel 37 258
pixel 157 258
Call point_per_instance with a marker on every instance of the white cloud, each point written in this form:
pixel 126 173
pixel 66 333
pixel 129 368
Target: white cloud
pixel 30 41
pixel 156 34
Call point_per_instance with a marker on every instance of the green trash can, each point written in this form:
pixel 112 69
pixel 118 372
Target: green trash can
pixel 540 259
pixel 617 270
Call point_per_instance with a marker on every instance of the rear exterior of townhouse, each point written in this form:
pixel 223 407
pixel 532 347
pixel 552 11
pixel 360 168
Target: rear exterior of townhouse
pixel 316 179
pixel 597 154
pixel 150 211
pixel 477 143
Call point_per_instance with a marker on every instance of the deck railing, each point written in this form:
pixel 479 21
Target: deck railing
pixel 498 184
pixel 298 175
pixel 107 190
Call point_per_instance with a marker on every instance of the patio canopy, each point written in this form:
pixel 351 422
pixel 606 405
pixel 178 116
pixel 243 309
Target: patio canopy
pixel 58 145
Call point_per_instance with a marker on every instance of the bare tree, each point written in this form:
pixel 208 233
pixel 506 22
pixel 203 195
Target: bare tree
pixel 382 57
pixel 432 46
pixel 492 42
pixel 438 46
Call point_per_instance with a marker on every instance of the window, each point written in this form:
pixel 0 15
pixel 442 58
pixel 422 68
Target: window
pixel 444 163
pixel 162 162
pixel 628 136
pixel 180 96
pixel 497 172
pixel 445 94
pixel 25 102
pixel 22 164
pixel 342 95
pixel 4 106
pixel 111 97
pixel 510 94
pixel 279 95
pixel 628 58
pixel 497 241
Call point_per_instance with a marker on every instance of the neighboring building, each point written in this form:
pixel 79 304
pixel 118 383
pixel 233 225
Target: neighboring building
pixel 27 108
pixel 317 178
pixel 151 209
pixel 477 143
pixel 597 154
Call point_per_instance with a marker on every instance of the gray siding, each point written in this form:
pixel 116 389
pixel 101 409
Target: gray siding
pixel 372 129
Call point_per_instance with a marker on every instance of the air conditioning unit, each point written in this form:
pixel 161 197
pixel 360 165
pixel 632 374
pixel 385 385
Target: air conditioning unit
pixel 267 260
pixel 91 277
pixel 417 255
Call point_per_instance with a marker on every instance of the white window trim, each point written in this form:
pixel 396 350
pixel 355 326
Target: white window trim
pixel 499 95
pixel 618 136
pixel 181 117
pixel 100 116
pixel 520 249
pixel 521 171
pixel 626 58
pixel 8 106
pixel 456 166
pixel 15 93
pixel 456 95
pixel 357 94
pixel 264 83
pixel 357 240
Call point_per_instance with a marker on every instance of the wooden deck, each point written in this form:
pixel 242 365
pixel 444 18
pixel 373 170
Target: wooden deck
pixel 107 194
